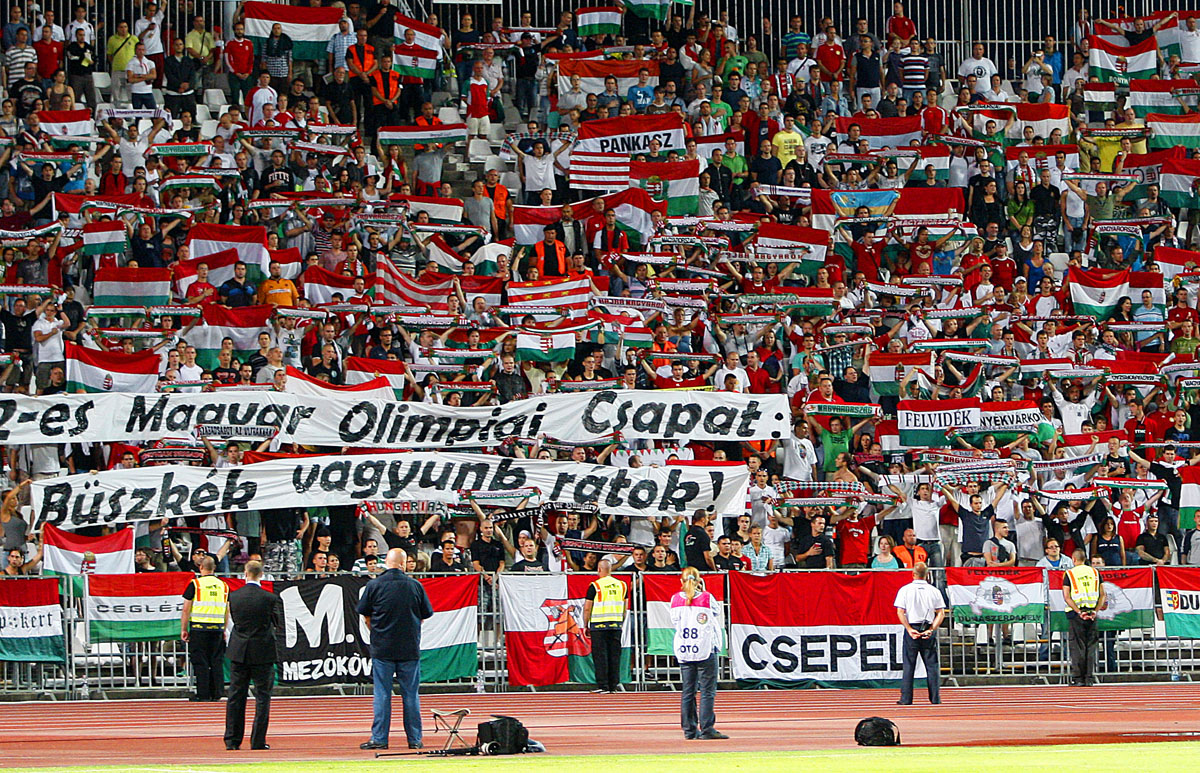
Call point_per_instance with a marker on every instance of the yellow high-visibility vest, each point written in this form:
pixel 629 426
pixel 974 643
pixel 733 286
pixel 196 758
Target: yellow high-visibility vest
pixel 1085 586
pixel 210 603
pixel 608 608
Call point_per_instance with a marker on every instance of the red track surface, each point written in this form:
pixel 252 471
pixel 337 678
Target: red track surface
pixel 173 731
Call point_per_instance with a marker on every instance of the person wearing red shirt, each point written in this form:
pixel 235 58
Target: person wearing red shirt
pixel 1181 311
pixel 899 25
pixel 49 54
pixel 868 256
pixel 114 181
pixel 676 379
pixel 934 118
pixel 239 64
pixel 831 59
pixel 760 379
pixel 201 292
pixel 854 537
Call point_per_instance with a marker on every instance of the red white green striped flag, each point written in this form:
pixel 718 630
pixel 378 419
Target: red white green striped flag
pixel 68 553
pixel 1179 182
pixel 602 20
pixel 558 347
pixel 660 589
pixel 996 594
pixel 1170 130
pixel 132 287
pixel 66 123
pixel 1130 604
pixel 1148 96
pixel 426 35
pixel 309 28
pixel 31 629
pixel 450 639
pixel 414 61
pixel 135 607
pixel 1121 64
pixel 105 237
pixel 92 370
pixel 675 182
pixel 242 325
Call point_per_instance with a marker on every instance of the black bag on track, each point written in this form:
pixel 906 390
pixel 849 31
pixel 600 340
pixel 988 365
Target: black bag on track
pixel 877 731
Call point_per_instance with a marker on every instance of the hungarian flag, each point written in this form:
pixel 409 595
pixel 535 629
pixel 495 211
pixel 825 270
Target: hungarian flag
pixel 68 553
pixel 32 629
pixel 1172 261
pixel 629 135
pixel 220 270
pixel 460 338
pixel 888 370
pixel 105 237
pixel 844 633
pixel 565 293
pixel 602 20
pixel 135 607
pixel 1147 167
pixel 599 171
pixel 242 325
pixel 1154 96
pixel 1167 131
pixel 632 206
pixel 92 370
pixel 996 594
pixel 1189 496
pixel 449 639
pixel 1178 183
pixel 426 36
pixel 675 182
pixel 309 28
pixel 1096 293
pixel 132 287
pixel 882 132
pixel 320 285
pixel 1179 594
pixel 439 210
pixel 1130 604
pixel 446 133
pixel 249 241
pixel 807 245
pixel 936 157
pixel 360 370
pixel 557 347
pixel 446 257
pixel 923 423
pixel 1100 96
pixel 707 144
pixel 414 61
pixel 490 288
pixel 648 9
pixel 1040 156
pixel 1005 419
pixel 299 383
pixel 543 629
pixel 1122 64
pixel 659 590
pixel 1043 117
pixel 66 123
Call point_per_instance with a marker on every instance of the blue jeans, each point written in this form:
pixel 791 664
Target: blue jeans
pixel 933 551
pixel 700 674
pixel 142 101
pixel 1076 239
pixel 527 97
pixel 408 674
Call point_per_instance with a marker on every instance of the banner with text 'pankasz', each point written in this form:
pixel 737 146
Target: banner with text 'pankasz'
pixel 173 491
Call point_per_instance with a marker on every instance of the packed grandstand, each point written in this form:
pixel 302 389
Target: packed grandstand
pixel 634 283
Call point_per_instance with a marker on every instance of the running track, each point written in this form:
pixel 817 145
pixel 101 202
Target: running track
pixel 331 727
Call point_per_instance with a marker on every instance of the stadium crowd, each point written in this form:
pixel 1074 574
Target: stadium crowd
pixel 718 294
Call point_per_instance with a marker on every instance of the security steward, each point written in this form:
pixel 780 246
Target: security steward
pixel 1084 593
pixel 603 617
pixel 385 97
pixel 202 626
pixel 921 609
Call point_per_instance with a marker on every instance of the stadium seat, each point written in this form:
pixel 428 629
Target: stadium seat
pixel 208 127
pixel 1059 260
pixel 214 97
pixel 478 150
pixel 449 115
pixel 103 82
pixel 512 181
pixel 202 112
pixel 495 162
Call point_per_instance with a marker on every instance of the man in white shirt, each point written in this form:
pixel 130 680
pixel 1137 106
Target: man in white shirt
pixel 732 366
pixel 978 65
pixel 48 342
pixel 762 498
pixel 921 609
pixel 926 509
pixel 189 370
pixel 799 455
pixel 1189 42
pixel 80 22
pixel 140 73
pixel 149 31
pixel 776 537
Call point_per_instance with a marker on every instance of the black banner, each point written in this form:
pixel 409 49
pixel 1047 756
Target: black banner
pixel 323 639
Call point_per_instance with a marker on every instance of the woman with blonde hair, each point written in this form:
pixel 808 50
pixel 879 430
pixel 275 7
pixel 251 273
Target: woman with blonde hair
pixel 698 636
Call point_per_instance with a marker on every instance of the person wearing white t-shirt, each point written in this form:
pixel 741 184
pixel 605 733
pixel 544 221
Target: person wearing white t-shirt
pixel 732 366
pixel 48 342
pixel 140 74
pixel 189 370
pixel 776 537
pixel 799 454
pixel 926 509
pixel 1189 42
pixel 980 66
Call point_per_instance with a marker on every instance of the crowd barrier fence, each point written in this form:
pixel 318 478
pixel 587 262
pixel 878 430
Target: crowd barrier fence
pixel 1019 653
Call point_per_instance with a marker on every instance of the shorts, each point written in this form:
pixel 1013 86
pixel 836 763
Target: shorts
pixel 478 127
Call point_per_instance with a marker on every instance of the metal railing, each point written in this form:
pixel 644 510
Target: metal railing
pixel 1020 653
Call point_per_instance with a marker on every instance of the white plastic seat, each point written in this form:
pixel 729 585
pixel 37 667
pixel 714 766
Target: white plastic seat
pixel 495 162
pixel 449 115
pixel 102 81
pixel 214 97
pixel 478 150
pixel 208 127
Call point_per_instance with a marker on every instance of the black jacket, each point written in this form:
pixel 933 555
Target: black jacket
pixel 396 604
pixel 256 614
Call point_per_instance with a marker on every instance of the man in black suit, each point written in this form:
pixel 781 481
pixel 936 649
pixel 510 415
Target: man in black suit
pixel 252 652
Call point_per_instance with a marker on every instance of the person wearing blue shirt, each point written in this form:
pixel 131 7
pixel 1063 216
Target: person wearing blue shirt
pixel 641 95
